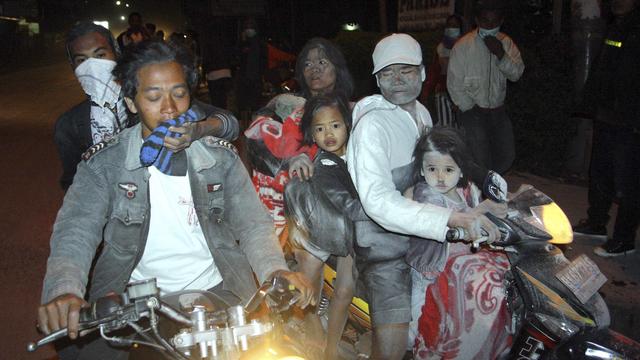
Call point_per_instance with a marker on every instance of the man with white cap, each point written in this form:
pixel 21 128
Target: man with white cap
pixel 386 128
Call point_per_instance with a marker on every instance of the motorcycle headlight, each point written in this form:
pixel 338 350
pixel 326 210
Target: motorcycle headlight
pixel 563 329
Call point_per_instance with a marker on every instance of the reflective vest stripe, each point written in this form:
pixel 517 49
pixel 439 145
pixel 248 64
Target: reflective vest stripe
pixel 613 43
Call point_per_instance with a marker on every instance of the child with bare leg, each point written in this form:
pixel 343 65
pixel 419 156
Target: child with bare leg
pixel 321 211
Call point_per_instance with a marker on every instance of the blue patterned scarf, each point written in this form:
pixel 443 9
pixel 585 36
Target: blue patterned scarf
pixel 154 153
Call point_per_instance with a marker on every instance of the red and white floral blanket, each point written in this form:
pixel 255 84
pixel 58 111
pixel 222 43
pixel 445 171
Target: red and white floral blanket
pixel 465 314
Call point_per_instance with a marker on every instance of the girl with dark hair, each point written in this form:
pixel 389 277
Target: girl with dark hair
pixel 274 139
pixel 321 211
pixel 447 321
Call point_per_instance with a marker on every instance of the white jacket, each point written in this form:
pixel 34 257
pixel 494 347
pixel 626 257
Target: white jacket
pixel 380 161
pixel 477 77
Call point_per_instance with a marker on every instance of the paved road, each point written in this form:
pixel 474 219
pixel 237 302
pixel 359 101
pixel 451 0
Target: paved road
pixel 31 100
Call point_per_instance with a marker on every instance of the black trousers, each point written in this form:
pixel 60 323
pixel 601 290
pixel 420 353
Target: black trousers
pixel 218 90
pixel 489 135
pixel 615 172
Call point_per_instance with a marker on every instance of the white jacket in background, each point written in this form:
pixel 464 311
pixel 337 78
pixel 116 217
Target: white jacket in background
pixel 476 77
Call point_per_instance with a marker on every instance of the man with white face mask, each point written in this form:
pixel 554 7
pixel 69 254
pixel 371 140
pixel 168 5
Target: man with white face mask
pixel 379 157
pixel 92 52
pixel 480 64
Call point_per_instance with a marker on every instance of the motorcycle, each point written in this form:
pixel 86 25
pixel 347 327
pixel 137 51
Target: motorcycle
pixel 556 310
pixel 193 324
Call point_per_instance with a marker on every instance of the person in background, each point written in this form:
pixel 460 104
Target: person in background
pixel 436 82
pixel 216 63
pixel 151 29
pixel 480 64
pixel 134 19
pixel 92 53
pixel 613 93
pixel 253 62
pixel 137 34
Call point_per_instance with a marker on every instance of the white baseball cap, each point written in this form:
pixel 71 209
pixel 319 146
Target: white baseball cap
pixel 396 49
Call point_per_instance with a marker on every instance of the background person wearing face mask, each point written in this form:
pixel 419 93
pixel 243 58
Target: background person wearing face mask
pixel 481 62
pixel 436 82
pixel 92 52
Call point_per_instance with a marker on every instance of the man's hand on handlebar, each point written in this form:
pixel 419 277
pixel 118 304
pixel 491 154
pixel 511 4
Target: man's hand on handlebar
pixel 302 284
pixel 61 312
pixel 475 226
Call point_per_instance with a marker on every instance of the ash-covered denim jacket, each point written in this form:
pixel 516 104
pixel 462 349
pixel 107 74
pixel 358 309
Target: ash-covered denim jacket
pixel 109 199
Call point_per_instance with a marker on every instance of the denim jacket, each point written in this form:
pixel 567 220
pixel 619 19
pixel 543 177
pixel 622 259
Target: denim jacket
pixel 109 199
pixel 72 133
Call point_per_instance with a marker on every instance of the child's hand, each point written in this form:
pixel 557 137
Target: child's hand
pixel 488 206
pixel 301 166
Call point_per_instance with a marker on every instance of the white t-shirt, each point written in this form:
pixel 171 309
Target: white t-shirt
pixel 176 253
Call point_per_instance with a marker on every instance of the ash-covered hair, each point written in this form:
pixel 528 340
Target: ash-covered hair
pixel 83 28
pixel 311 107
pixel 344 81
pixel 446 141
pixel 152 52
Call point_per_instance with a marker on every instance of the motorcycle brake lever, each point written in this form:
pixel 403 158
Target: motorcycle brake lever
pixel 476 244
pixel 59 334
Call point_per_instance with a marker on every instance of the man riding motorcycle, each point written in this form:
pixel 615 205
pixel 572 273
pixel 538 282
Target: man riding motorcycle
pixel 196 224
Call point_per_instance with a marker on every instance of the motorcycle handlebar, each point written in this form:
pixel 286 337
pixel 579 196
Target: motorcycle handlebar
pixel 105 310
pixel 454 234
pixel 86 322
pixel 113 312
pixel 458 233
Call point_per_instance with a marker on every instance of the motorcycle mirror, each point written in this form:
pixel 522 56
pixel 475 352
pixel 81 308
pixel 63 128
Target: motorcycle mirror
pixel 495 187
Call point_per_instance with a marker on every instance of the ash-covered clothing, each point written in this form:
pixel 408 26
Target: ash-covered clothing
pixel 73 133
pixel 429 256
pixel 107 121
pixel 108 204
pixel 273 138
pixel 458 303
pixel 380 162
pixel 324 208
pixel 477 77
